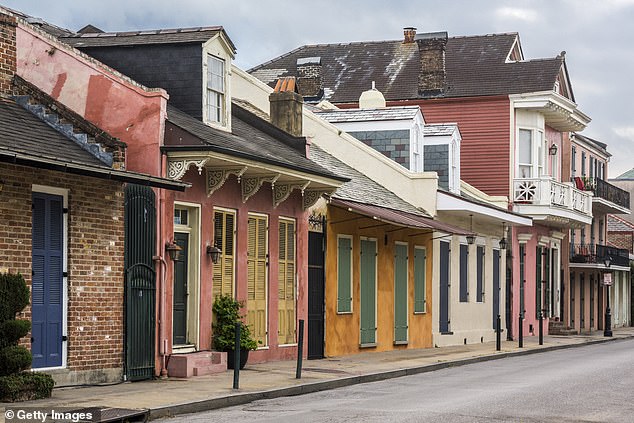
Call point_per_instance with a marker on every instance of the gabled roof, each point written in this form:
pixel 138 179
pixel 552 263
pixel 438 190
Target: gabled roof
pixel 27 140
pixel 368 115
pixel 475 66
pixel 251 137
pixel 626 175
pixel 593 143
pixel 439 129
pixel 155 36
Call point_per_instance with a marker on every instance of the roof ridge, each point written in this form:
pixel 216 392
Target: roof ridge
pixel 493 34
pixel 624 221
pixel 157 31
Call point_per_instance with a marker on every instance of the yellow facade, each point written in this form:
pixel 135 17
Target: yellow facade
pixel 343 329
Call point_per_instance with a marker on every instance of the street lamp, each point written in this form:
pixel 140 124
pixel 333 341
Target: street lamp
pixel 607 331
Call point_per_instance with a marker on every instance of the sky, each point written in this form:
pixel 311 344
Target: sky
pixel 598 37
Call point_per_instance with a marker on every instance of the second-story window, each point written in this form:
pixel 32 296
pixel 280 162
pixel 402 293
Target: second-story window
pixel 530 153
pixel 583 163
pixel 215 89
pixel 573 162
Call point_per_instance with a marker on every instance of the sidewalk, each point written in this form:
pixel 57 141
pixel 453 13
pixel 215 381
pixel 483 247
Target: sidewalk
pixel 275 379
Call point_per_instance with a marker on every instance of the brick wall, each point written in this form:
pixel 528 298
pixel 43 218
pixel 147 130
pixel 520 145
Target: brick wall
pixel 393 144
pixel 7 52
pixel 436 159
pixel 95 258
pixel 622 240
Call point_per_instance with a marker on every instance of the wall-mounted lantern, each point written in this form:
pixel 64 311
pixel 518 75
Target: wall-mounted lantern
pixel 471 237
pixel 214 253
pixel 553 149
pixel 503 240
pixel 173 251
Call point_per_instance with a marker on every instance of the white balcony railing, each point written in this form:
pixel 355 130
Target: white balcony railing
pixel 545 191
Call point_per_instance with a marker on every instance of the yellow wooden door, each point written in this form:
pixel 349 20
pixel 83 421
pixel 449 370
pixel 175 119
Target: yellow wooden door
pixel 257 292
pixel 223 271
pixel 286 282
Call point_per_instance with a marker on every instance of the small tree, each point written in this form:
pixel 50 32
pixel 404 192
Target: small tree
pixel 227 313
pixel 15 384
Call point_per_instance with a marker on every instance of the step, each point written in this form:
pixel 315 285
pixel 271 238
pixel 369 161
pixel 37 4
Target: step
pixel 197 364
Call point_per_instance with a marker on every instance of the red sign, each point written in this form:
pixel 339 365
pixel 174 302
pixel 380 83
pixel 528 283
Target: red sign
pixel 607 279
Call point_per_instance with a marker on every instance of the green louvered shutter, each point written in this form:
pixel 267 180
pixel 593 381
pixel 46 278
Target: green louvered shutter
pixel 480 274
pixel 368 292
pixel 400 294
pixel 538 282
pixel 420 302
pixel 344 275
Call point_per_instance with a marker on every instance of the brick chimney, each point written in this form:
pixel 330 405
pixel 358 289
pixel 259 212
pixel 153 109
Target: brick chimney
pixel 409 34
pixel 309 81
pixel 7 53
pixel 286 107
pixel 431 79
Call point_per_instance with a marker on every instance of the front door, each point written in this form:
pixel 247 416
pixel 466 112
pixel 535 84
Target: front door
pixel 179 307
pixel 368 292
pixel 444 287
pixel 315 295
pixel 47 280
pixel 400 294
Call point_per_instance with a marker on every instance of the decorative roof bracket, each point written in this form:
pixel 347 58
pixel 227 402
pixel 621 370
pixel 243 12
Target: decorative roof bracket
pixel 176 168
pixel 282 191
pixel 252 185
pixel 311 196
pixel 216 177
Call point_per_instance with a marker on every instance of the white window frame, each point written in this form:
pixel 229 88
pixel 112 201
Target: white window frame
pixel 537 151
pixel 215 112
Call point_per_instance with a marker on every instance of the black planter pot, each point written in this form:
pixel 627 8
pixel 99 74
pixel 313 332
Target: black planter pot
pixel 244 356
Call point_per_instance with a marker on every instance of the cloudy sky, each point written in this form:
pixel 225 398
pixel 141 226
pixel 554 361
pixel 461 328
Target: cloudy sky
pixel 598 36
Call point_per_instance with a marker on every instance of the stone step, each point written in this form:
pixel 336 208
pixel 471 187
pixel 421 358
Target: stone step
pixel 197 364
pixel 210 369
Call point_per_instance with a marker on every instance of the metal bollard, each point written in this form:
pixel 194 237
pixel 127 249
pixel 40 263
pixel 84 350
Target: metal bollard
pixel 236 358
pixel 521 333
pixel 300 349
pixel 541 328
pixel 498 334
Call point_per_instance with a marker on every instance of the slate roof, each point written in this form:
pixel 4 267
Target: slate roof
pixel 251 137
pixel 23 132
pixel 439 129
pixel 360 188
pixel 591 141
pixel 475 66
pixel 617 224
pixel 53 30
pixel 155 36
pixel 368 115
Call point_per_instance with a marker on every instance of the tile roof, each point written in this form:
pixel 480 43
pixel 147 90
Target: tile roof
pixel 23 132
pixel 251 137
pixel 156 36
pixel 53 30
pixel 475 65
pixel 360 188
pixel 617 224
pixel 439 129
pixel 367 115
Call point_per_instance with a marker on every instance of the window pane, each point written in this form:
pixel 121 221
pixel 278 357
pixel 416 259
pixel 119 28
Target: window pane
pixel 525 146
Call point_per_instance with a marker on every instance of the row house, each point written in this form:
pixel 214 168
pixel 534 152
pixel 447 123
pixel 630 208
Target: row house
pixel 445 230
pixel 591 257
pixel 514 116
pixel 621 236
pixel 65 197
pixel 251 185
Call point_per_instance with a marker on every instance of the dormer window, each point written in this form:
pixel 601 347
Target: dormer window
pixel 215 90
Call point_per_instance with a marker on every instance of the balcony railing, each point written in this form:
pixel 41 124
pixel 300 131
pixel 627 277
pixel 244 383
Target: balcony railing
pixel 604 190
pixel 545 191
pixel 597 253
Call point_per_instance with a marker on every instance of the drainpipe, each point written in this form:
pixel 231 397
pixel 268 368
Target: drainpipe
pixel 162 272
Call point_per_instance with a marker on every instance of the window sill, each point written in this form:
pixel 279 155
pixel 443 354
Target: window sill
pixel 419 312
pixel 446 333
pixel 344 313
pixel 401 342
pixel 372 345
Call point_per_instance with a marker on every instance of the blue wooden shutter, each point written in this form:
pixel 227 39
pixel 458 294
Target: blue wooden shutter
pixel 444 287
pixel 464 264
pixel 47 280
pixel 400 293
pixel 344 275
pixel 480 273
pixel 419 280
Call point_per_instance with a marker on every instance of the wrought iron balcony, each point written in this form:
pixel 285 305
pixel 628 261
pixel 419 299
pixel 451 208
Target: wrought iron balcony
pixel 597 253
pixel 607 197
pixel 552 202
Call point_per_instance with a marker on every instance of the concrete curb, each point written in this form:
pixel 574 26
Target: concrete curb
pixel 307 388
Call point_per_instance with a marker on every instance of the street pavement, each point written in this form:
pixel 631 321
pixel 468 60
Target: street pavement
pixel 593 383
pixel 172 396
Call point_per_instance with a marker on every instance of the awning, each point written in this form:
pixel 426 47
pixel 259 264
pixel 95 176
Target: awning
pixel 397 217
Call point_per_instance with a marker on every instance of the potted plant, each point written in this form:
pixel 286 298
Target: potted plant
pixel 227 313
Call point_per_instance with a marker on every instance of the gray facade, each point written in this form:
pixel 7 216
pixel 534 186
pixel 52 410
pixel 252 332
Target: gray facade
pixel 436 159
pixel 393 144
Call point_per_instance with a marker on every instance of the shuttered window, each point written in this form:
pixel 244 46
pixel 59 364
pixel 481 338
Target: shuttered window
pixel 480 274
pixel 257 256
pixel 344 274
pixel 224 239
pixel 464 263
pixel 286 282
pixel 420 266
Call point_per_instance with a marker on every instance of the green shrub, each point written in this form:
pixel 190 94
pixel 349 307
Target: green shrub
pixel 15 383
pixel 227 314
pixel 25 386
pixel 14 295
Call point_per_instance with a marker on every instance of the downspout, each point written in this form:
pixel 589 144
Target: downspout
pixel 162 272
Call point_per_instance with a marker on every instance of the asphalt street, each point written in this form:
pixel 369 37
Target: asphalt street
pixel 594 383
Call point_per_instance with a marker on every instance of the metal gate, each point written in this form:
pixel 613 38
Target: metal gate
pixel 315 295
pixel 140 282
